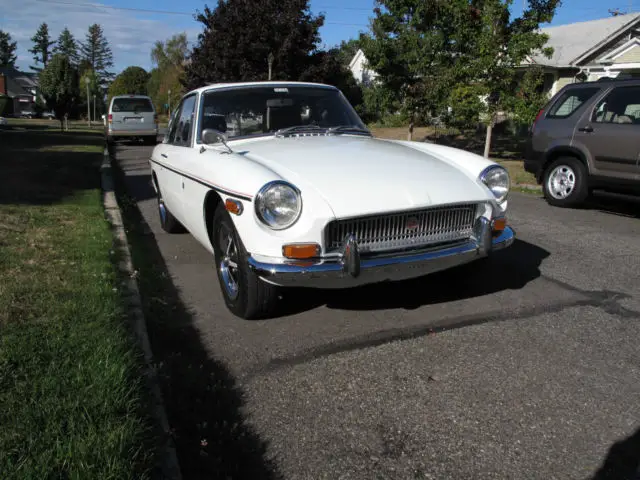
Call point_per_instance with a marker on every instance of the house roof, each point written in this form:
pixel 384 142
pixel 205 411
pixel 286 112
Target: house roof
pixel 575 41
pixel 18 83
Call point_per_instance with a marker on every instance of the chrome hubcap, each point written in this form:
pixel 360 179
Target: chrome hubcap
pixel 162 210
pixel 228 263
pixel 561 182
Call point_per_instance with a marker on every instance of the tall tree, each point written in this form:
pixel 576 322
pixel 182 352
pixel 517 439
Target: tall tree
pixel 132 80
pixel 501 44
pixel 59 86
pixel 240 35
pixel 97 53
pixel 67 45
pixel 169 59
pixel 7 50
pixel 41 47
pixel 413 46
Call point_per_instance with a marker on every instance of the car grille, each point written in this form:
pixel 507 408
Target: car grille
pixel 396 231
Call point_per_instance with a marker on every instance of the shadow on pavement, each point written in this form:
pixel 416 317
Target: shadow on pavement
pixel 624 205
pixel 509 269
pixel 623 460
pixel 212 437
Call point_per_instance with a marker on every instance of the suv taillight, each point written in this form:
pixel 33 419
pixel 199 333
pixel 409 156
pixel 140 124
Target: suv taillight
pixel 110 118
pixel 533 126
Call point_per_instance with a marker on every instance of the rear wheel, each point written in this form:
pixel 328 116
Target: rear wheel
pixel 245 294
pixel 565 182
pixel 167 221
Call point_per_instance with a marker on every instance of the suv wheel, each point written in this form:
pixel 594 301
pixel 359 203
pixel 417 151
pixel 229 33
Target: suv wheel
pixel 565 182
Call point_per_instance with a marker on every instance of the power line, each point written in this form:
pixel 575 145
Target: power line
pixel 169 12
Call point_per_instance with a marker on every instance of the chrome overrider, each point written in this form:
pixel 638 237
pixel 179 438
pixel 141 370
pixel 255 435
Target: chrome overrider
pixel 350 269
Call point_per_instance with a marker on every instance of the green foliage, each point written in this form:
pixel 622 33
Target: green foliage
pixel 238 37
pixel 68 46
pixel 97 55
pixel 41 47
pixel 169 58
pixel 7 50
pixel 466 106
pixel 347 49
pixel 132 81
pixel 529 96
pixel 325 67
pixel 59 85
pixel 379 106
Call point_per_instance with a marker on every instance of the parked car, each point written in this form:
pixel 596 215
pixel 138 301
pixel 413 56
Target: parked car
pixel 586 138
pixel 302 195
pixel 3 122
pixel 27 114
pixel 132 116
pixel 50 115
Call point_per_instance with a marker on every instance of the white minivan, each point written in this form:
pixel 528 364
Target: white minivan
pixel 132 116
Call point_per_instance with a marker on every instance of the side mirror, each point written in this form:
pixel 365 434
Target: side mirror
pixel 211 136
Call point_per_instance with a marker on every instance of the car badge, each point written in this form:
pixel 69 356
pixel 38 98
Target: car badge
pixel 411 224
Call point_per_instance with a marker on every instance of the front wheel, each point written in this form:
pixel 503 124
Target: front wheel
pixel 245 294
pixel 565 182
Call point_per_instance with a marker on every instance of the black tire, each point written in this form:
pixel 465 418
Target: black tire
pixel 167 221
pixel 150 140
pixel 572 170
pixel 252 298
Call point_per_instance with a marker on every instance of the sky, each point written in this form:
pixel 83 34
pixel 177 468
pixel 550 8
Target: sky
pixel 131 34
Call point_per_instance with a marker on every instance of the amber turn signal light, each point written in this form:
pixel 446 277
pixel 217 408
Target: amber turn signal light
pixel 301 250
pixel 233 206
pixel 499 224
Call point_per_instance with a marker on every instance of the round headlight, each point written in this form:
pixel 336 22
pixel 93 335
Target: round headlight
pixel 278 205
pixel 497 180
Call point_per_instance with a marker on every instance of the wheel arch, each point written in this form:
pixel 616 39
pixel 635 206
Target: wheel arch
pixel 211 201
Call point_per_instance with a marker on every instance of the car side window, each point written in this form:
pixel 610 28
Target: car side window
pixel 570 102
pixel 181 127
pixel 621 106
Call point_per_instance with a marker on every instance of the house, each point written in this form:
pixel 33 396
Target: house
pixel 20 90
pixel 583 51
pixel 588 51
pixel 359 69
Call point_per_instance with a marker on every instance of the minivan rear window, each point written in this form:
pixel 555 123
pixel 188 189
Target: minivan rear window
pixel 132 105
pixel 570 101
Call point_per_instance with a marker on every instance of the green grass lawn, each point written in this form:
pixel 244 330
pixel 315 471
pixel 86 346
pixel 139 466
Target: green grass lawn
pixel 72 404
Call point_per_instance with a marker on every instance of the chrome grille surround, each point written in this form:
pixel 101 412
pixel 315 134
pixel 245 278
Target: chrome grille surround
pixel 402 230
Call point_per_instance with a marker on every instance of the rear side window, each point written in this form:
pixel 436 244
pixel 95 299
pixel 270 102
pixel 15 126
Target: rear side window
pixel 570 101
pixel 137 105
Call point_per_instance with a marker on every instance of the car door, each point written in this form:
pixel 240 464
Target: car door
pixel 172 153
pixel 611 133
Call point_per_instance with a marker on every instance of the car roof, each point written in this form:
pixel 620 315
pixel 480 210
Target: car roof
pixel 131 96
pixel 606 82
pixel 266 83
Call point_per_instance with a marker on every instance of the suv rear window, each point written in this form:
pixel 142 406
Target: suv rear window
pixel 132 105
pixel 570 101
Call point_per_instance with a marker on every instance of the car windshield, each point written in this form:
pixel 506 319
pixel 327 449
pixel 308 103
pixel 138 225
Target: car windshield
pixel 253 111
pixel 132 105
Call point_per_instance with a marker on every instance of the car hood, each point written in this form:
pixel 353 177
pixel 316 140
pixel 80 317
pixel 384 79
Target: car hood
pixel 362 175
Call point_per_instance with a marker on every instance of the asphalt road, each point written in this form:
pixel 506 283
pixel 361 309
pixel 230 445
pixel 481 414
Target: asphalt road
pixel 527 366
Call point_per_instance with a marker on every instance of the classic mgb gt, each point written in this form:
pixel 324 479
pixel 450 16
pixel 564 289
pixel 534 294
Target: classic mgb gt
pixel 286 187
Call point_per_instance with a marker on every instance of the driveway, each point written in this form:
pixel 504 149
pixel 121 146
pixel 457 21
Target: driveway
pixel 526 366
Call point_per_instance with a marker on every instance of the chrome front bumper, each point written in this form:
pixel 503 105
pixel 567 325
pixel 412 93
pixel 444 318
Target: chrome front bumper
pixel 351 270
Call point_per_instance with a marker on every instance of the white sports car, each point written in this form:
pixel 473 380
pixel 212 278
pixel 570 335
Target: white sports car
pixel 284 184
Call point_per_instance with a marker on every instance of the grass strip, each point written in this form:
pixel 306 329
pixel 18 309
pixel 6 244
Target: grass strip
pixel 72 404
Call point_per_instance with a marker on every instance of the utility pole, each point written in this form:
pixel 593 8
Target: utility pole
pixel 87 81
pixel 169 103
pixel 94 106
pixel 270 60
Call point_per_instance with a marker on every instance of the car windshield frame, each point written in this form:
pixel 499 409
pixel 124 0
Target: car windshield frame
pixel 281 89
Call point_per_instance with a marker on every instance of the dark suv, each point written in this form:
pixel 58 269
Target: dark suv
pixel 587 137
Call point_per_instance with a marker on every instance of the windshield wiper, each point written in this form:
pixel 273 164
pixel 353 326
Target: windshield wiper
pixel 297 128
pixel 349 129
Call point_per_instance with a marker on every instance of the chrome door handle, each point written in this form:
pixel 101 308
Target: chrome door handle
pixel 587 129
pixel 163 155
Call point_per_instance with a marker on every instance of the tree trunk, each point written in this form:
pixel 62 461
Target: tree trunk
pixel 410 134
pixel 487 142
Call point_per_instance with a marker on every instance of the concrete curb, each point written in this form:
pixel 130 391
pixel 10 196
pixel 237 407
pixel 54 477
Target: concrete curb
pixel 169 465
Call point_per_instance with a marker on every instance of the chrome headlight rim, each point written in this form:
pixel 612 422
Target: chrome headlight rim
pixel 483 178
pixel 259 198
